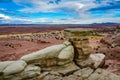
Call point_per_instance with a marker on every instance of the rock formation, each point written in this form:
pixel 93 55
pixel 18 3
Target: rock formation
pixel 80 39
pixel 51 56
pixel 59 62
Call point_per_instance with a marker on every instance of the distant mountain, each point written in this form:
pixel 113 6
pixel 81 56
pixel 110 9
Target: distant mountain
pixel 63 25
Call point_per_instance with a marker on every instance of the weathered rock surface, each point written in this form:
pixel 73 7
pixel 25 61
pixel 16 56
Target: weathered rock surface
pixel 84 73
pixel 67 69
pixel 51 56
pixel 30 71
pixel 4 64
pixel 98 59
pixel 81 74
pixel 13 67
pixel 63 69
pixel 94 61
pixel 66 55
pixel 80 39
pixel 101 74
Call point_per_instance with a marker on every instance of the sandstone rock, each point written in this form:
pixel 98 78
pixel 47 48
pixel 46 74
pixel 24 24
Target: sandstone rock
pixel 14 67
pixel 101 74
pixel 86 63
pixel 67 69
pixel 54 73
pixel 94 61
pixel 41 77
pixel 67 43
pixel 51 56
pixel 48 52
pixel 29 72
pixel 52 77
pixel 72 77
pixel 66 55
pixel 63 69
pixel 98 59
pixel 4 64
pixel 80 39
pixel 84 73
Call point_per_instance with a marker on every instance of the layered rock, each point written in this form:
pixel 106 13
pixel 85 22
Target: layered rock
pixel 80 39
pixel 56 57
pixel 81 74
pixel 51 56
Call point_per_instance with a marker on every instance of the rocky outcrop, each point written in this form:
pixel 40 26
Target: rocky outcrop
pixel 56 58
pixel 68 61
pixel 37 66
pixel 80 40
pixel 51 56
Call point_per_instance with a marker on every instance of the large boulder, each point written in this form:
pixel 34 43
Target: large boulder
pixel 94 61
pixel 48 52
pixel 51 56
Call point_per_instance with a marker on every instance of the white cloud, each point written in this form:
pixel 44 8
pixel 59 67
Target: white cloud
pixel 4 17
pixel 44 6
pixel 79 7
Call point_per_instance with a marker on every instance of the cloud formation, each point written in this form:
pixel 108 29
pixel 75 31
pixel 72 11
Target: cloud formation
pixel 3 17
pixel 62 11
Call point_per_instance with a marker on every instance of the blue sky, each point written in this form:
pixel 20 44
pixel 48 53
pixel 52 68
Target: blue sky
pixel 59 11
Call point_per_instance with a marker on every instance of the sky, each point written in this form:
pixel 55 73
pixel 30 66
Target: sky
pixel 59 11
